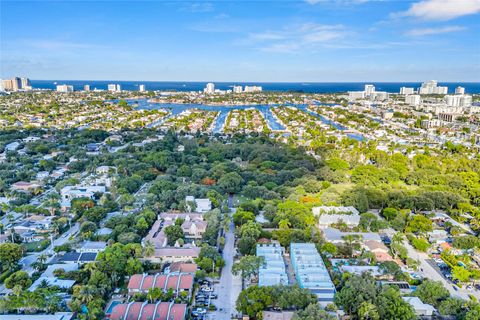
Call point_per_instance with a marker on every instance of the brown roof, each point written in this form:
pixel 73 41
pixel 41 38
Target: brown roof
pixel 135 281
pixel 183 267
pixel 144 311
pixel 186 281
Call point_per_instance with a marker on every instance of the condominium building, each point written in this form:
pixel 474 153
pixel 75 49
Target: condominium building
pixel 459 90
pixel 406 90
pixel 64 88
pixel 354 95
pixel 369 89
pixel 14 84
pixel 273 271
pixel 141 88
pixel 413 99
pixel 210 88
pixel 237 89
pixel 431 87
pixel 86 87
pixel 311 272
pixel 114 87
pixel 460 100
pixel 253 88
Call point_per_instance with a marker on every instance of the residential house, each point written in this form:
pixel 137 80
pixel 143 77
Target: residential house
pixel 24 186
pixel 92 246
pixel 142 283
pixel 201 205
pixel 173 254
pixel 326 220
pixel 379 249
pixel 144 310
pixel 421 309
pixel 273 271
pixel 336 236
pixel 69 193
pixel 438 236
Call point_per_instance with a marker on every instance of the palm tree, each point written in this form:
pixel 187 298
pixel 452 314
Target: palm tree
pixel 42 259
pixel 284 224
pixel 148 249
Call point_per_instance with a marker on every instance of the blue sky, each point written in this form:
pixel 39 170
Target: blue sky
pixel 283 40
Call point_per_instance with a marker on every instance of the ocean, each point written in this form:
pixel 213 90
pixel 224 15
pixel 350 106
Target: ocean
pixel 309 87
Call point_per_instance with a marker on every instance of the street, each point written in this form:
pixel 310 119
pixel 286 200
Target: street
pixel 428 271
pixel 230 286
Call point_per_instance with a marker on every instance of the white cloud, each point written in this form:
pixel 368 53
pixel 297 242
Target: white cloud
pixel 430 31
pixel 442 9
pixel 295 38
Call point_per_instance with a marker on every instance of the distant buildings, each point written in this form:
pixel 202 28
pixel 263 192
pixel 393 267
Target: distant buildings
pixel 16 84
pixel 413 99
pixel 273 271
pixel 459 90
pixel 237 89
pixel 458 100
pixel 64 88
pixel 86 87
pixel 431 87
pixel 253 89
pixel 369 92
pixel 141 88
pixel 405 90
pixel 210 88
pixel 311 272
pixel 114 88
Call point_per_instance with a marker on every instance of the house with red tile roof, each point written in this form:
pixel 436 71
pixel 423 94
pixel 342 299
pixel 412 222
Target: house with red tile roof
pixel 180 267
pixel 149 311
pixel 142 283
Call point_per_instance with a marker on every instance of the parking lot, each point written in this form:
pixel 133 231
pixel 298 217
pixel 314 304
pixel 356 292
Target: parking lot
pixel 203 300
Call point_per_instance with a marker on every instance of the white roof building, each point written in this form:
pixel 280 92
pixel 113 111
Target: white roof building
pixel 421 309
pixel 272 273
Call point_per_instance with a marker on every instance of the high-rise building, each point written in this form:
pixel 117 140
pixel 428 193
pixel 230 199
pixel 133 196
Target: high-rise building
pixel 237 89
pixel 86 87
pixel 354 95
pixel 406 90
pixel 459 90
pixel 253 88
pixel 210 88
pixel 25 83
pixel 412 99
pixel 431 87
pixel 369 89
pixel 114 87
pixel 16 84
pixel 141 88
pixel 458 100
pixel 64 88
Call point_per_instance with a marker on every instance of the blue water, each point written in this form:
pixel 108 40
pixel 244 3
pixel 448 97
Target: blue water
pixel 312 87
pixel 224 110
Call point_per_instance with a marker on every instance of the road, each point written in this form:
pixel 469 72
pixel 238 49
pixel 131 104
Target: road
pixel 426 270
pixel 230 286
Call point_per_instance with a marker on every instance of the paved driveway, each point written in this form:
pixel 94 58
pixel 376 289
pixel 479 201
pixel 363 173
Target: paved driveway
pixel 229 286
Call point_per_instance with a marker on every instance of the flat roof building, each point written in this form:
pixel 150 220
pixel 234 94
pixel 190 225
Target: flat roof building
pixel 272 272
pixel 311 272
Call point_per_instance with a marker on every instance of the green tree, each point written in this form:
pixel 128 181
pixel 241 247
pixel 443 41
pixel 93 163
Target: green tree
pixel 247 267
pixel 173 233
pixel 313 312
pixel 231 182
pixel 391 306
pixel 20 278
pixel 10 254
pixel 368 311
pixel 431 292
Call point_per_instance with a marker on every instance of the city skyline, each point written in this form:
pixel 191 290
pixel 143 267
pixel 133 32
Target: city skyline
pixel 284 41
